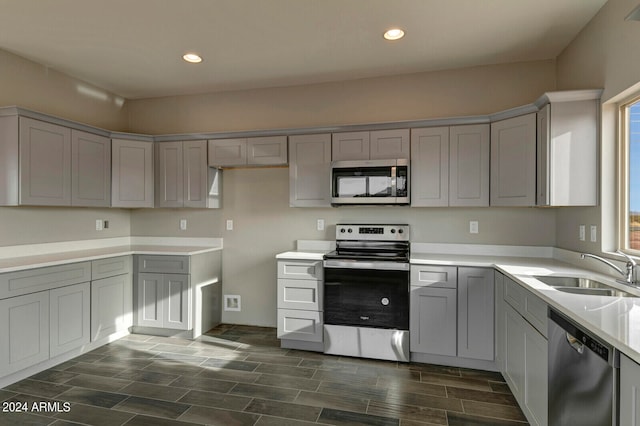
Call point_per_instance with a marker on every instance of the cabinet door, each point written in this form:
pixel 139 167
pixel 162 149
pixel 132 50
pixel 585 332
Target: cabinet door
pixel 475 313
pixel 432 320
pixel 302 325
pixel 389 144
pixel 350 146
pixel 24 331
pixel 227 152
pixel 629 392
pixel 514 356
pixel 150 303
pixel 430 167
pixel 176 301
pixel 111 306
pixel 469 166
pixel 196 174
pixel 513 161
pixel 535 375
pixel 169 175
pixel 90 170
pixel 45 163
pixel 69 309
pixel 499 321
pixel 131 173
pixel 309 170
pixel 267 151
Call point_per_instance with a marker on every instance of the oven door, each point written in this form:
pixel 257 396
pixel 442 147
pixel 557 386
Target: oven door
pixel 367 294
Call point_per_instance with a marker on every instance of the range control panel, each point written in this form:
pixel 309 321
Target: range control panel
pixel 372 232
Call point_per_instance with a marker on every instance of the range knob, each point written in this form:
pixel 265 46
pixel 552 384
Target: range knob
pixel 350 230
pixel 393 231
pixel 342 230
pixel 400 231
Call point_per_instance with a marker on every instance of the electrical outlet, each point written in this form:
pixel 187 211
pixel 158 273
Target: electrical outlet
pixel 594 233
pixel 320 225
pixel 99 225
pixel 473 226
pixel 582 233
pixel 105 224
pixel 229 225
pixel 183 224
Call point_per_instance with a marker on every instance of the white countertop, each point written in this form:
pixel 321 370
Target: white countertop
pixel 66 254
pixel 615 320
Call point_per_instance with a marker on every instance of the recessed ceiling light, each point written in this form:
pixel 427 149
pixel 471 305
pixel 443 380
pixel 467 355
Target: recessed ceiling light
pixel 393 34
pixel 192 57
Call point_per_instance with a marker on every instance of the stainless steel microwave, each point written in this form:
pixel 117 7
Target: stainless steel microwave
pixel 370 182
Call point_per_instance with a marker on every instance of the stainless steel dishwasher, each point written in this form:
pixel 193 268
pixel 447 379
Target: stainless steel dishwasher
pixel 583 376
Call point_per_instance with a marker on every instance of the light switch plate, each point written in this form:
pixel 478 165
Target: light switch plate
pixel 582 233
pixel 594 233
pixel 320 225
pixel 99 225
pixel 229 225
pixel 183 224
pixel 473 226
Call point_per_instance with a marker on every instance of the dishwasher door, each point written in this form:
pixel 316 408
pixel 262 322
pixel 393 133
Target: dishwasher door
pixel 582 377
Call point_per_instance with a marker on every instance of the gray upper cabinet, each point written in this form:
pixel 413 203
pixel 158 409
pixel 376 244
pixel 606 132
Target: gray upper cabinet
pixel 309 170
pixel 374 145
pixel 430 167
pixel 45 163
pixel 90 170
pixel 182 175
pixel 257 151
pixel 513 161
pixel 469 165
pixel 567 148
pixel 131 173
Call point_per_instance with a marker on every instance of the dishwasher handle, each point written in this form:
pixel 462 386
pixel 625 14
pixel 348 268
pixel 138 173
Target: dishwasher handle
pixel 575 343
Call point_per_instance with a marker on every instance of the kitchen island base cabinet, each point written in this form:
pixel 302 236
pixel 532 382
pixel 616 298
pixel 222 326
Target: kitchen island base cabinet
pixel 629 392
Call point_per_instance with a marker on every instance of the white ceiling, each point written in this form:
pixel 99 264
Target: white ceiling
pixel 134 47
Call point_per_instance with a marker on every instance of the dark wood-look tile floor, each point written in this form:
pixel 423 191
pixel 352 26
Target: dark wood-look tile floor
pixel 238 375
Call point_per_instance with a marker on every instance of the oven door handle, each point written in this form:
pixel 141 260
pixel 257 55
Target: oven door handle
pixel 350 264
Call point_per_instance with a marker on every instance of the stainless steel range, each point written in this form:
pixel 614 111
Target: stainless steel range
pixel 366 292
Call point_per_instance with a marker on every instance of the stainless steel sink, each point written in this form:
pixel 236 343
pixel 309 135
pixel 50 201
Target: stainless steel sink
pixel 580 285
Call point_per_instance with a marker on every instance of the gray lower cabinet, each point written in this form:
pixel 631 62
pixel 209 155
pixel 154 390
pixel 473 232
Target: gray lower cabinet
pixel 69 310
pixel 629 392
pixel 24 331
pixel 433 316
pixel 163 301
pixel 476 313
pixel 433 309
pixel 524 360
pixel 300 302
pixel 111 305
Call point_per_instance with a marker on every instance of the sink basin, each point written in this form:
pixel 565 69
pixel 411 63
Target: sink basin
pixel 580 285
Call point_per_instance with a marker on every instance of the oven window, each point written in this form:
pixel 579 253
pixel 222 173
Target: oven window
pixel 356 182
pixel 366 298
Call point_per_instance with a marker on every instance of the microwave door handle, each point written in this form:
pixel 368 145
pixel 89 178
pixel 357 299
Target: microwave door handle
pixel 394 188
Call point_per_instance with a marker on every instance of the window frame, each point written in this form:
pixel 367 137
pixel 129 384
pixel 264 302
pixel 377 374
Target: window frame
pixel 623 174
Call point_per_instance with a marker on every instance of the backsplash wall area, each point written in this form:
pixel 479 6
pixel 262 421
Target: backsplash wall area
pixel 257 200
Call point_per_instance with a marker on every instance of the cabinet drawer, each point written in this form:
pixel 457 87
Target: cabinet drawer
pixel 535 311
pixel 105 268
pixel 514 295
pixel 300 269
pixel 163 264
pixel 434 276
pixel 300 325
pixel 39 279
pixel 300 294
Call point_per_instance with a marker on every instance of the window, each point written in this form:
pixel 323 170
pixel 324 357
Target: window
pixel 630 206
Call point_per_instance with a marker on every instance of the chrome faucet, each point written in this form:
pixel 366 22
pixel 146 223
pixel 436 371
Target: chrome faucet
pixel 630 266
